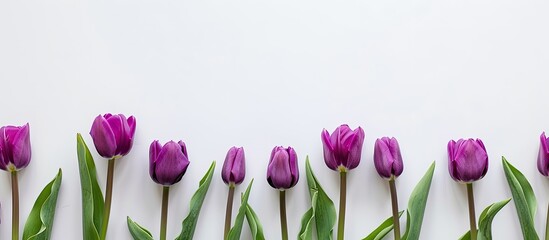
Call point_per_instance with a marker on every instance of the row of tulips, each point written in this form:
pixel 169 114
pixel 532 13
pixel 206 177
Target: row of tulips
pixel 113 138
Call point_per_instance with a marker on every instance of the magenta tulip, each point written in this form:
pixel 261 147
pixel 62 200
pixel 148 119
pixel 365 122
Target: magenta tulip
pixel 234 167
pixel 168 163
pixel 113 134
pixel 15 148
pixel 282 172
pixel 543 156
pixel 387 158
pixel 343 149
pixel 467 160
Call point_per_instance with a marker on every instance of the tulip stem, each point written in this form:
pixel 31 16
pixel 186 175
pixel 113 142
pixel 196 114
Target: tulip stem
pixel 15 206
pixel 164 219
pixel 108 199
pixel 342 204
pixel 547 225
pixel 283 221
pixel 229 210
pixel 394 201
pixel 472 216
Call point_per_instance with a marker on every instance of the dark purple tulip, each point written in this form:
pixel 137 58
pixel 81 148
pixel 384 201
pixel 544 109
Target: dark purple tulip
pixel 467 160
pixel 543 157
pixel 234 167
pixel 282 172
pixel 343 148
pixel 168 163
pixel 113 134
pixel 15 148
pixel 387 158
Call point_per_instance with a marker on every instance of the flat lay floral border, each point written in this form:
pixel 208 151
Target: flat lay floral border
pixel 113 136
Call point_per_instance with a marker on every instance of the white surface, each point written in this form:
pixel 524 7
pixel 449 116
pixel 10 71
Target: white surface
pixel 264 73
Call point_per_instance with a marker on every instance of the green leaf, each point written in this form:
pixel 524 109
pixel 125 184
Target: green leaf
pixel 40 221
pixel 524 198
pixel 255 225
pixel 189 224
pixel 138 232
pixel 323 210
pixel 416 205
pixel 236 230
pixel 92 198
pixel 382 230
pixel 485 221
pixel 486 218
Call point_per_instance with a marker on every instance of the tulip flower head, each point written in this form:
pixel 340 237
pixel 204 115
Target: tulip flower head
pixel 234 167
pixel 342 149
pixel 543 157
pixel 15 148
pixel 113 135
pixel 168 163
pixel 467 160
pixel 387 158
pixel 282 172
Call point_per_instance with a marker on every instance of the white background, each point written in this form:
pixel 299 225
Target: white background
pixel 263 73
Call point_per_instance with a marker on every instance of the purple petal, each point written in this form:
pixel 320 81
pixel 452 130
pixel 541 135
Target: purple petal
pixel 278 172
pixel 293 166
pixel 382 161
pixel 103 137
pixel 355 149
pixel 171 164
pixel 398 164
pixel 183 148
pixel 238 170
pixel 228 165
pixel 21 148
pixel 328 150
pixel 154 150
pixel 543 156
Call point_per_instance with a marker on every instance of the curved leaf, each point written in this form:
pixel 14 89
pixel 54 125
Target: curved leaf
pixel 189 224
pixel 486 218
pixel 40 221
pixel 255 225
pixel 138 232
pixel 524 198
pixel 323 210
pixel 382 230
pixel 236 230
pixel 92 198
pixel 416 205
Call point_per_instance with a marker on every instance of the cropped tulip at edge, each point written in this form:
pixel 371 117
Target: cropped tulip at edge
pixel 343 148
pixel 234 167
pixel 387 158
pixel 467 160
pixel 282 172
pixel 15 148
pixel 113 134
pixel 543 156
pixel 168 163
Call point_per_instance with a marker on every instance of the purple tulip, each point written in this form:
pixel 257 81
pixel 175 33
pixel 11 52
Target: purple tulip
pixel 234 167
pixel 387 158
pixel 168 163
pixel 467 160
pixel 543 157
pixel 113 134
pixel 15 148
pixel 282 172
pixel 343 148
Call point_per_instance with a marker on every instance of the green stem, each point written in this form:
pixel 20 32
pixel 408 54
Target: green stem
pixel 547 225
pixel 164 219
pixel 472 216
pixel 283 222
pixel 229 211
pixel 108 199
pixel 342 204
pixel 394 202
pixel 15 206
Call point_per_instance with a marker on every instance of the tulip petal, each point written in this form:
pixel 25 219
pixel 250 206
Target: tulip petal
pixel 382 162
pixel 21 148
pixel 171 164
pixel 120 130
pixel 154 150
pixel 279 173
pixel 103 137
pixel 328 150
pixel 228 165
pixel 238 169
pixel 355 148
pixel 293 166
pixel 543 156
pixel 398 164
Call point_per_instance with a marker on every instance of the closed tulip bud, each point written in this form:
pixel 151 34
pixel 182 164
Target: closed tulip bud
pixel 168 163
pixel 467 160
pixel 15 148
pixel 282 172
pixel 113 134
pixel 387 158
pixel 342 149
pixel 234 167
pixel 543 157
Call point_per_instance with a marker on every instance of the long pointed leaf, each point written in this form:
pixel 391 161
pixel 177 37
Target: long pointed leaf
pixel 236 230
pixel 254 223
pixel 416 205
pixel 138 232
pixel 40 221
pixel 524 198
pixel 306 231
pixel 382 230
pixel 92 198
pixel 486 218
pixel 189 224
